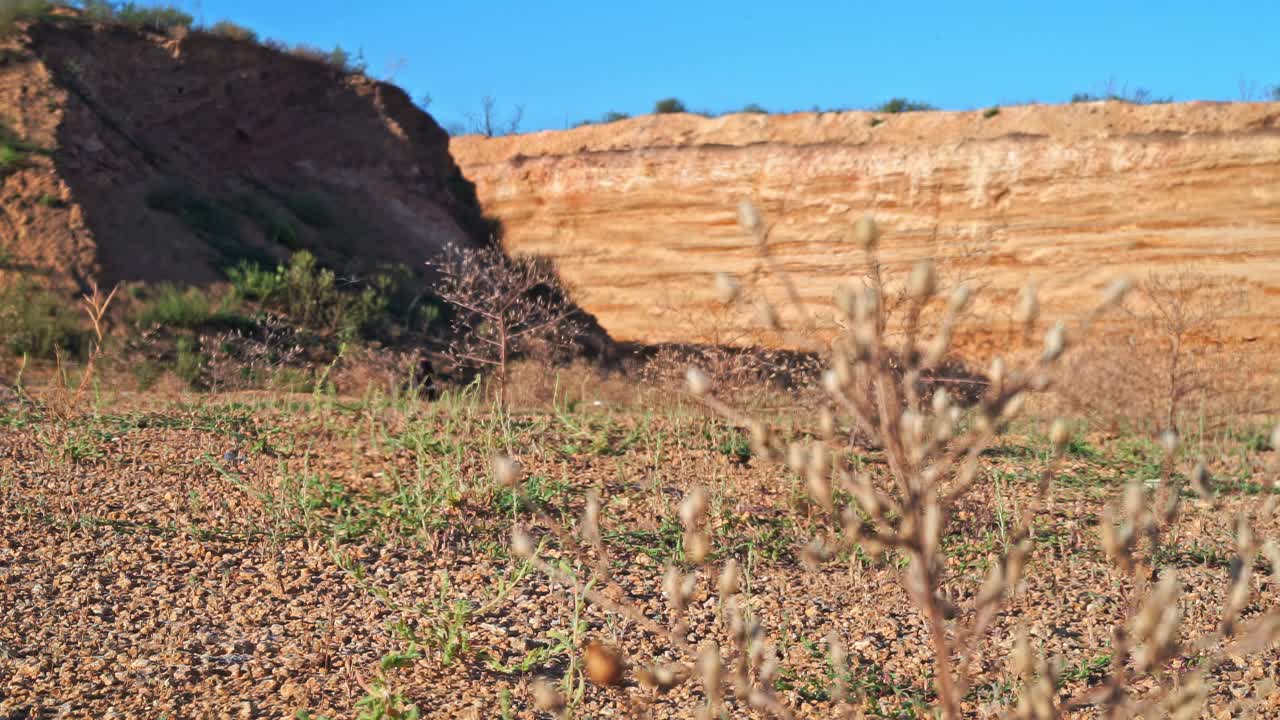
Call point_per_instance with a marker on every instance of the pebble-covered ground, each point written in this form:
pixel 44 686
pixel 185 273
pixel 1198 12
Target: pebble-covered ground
pixel 262 557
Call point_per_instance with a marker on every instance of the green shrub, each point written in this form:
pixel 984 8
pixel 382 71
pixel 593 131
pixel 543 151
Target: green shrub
pixel 254 282
pixel 14 151
pixel 903 105
pixel 344 61
pixel 156 17
pixel 36 322
pixel 189 364
pixel 14 11
pixel 10 159
pixel 754 109
pixel 234 31
pixel 309 295
pixel 613 116
pixel 337 58
pixel 192 307
pixel 669 105
pixel 991 112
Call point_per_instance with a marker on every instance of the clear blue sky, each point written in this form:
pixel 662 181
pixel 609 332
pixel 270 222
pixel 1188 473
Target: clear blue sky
pixel 576 59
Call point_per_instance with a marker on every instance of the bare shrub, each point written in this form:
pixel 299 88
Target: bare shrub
pixel 905 508
pixel 488 122
pixel 503 307
pixel 1170 365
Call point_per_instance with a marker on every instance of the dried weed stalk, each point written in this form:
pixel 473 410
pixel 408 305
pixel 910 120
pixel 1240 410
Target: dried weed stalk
pixel 63 401
pixel 931 445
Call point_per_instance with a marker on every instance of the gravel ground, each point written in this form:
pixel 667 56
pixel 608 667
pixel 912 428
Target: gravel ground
pixel 251 558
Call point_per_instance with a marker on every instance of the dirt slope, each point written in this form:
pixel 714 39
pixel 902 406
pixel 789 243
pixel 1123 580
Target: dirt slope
pixel 150 157
pixel 639 213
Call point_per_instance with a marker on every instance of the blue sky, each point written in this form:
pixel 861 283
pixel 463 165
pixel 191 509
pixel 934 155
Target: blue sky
pixel 577 59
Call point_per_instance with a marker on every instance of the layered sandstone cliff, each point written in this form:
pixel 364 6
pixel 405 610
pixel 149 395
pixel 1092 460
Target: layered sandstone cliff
pixel 640 213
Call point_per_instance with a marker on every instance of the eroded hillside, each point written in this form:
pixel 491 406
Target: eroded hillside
pixel 640 213
pixel 141 156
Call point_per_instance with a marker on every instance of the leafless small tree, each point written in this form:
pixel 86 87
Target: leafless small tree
pixel 488 123
pixel 503 307
pixel 1169 363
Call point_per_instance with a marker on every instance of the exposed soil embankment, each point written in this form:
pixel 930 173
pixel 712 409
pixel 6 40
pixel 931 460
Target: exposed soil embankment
pixel 139 156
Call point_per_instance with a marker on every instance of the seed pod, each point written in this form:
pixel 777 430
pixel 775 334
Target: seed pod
pixel 696 547
pixel 1116 291
pixel 730 579
pixel 546 698
pixel 506 470
pixel 521 544
pixel 1169 441
pixel 1275 438
pixel 831 382
pixel 727 288
pixel 591 518
pixel 960 298
pixel 797 457
pixel 1055 342
pixel 710 670
pixel 1201 482
pixel 604 664
pixel 698 382
pixel 749 217
pixel 923 281
pixel 1059 435
pixel 866 233
pixel 826 423
pixel 996 372
pixel 693 507
pixel 673 586
pixel 941 402
pixel 1028 308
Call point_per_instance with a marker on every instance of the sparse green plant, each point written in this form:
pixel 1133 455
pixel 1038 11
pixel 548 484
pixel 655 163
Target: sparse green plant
pixel 234 31
pixel 176 307
pixel 991 112
pixel 669 106
pixel 382 700
pixel 37 322
pixel 155 17
pixel 903 105
pixel 614 116
pixel 14 11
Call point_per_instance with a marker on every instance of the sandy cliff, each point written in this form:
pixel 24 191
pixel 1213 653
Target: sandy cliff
pixel 641 212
